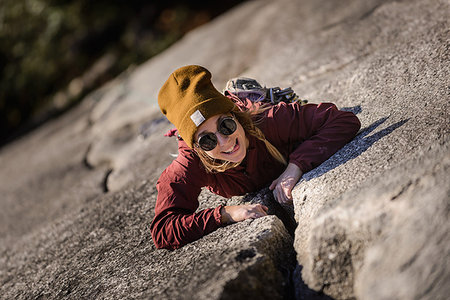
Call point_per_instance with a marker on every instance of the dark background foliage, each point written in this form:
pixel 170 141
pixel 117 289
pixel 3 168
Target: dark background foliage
pixel 53 52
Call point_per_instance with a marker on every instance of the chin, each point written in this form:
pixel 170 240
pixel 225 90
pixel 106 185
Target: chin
pixel 237 159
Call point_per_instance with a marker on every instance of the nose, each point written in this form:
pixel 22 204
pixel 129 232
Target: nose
pixel 222 139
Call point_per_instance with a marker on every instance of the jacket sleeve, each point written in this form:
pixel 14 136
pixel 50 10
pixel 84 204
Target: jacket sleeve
pixel 176 221
pixel 315 131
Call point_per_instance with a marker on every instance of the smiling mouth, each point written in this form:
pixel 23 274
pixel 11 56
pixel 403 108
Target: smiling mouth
pixel 233 149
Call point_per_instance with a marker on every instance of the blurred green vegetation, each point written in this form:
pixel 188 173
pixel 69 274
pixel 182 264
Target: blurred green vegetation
pixel 53 52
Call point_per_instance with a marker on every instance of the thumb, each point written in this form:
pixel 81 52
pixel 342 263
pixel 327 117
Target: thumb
pixel 289 194
pixel 273 184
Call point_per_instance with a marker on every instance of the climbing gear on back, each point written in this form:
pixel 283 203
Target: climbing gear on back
pixel 248 88
pixel 243 87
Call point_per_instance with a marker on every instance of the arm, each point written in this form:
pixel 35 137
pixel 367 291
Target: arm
pixel 318 131
pixel 327 130
pixel 238 213
pixel 176 221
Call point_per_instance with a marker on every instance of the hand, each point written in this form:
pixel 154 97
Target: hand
pixel 238 213
pixel 283 185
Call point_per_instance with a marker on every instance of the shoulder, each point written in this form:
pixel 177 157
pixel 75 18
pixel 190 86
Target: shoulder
pixel 283 110
pixel 284 121
pixel 294 112
pixel 279 114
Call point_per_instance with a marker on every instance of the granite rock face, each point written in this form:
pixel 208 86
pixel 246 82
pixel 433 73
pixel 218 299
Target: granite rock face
pixel 78 194
pixel 388 238
pixel 398 84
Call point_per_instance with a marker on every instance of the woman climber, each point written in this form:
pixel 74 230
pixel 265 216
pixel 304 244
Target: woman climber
pixel 234 146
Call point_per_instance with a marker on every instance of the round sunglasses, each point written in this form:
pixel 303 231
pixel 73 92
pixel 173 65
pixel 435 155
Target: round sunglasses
pixel 226 126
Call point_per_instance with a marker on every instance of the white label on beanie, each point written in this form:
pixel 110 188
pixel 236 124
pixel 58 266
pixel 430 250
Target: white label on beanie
pixel 197 118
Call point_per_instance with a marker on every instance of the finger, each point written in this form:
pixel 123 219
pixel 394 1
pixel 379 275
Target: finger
pixel 256 211
pixel 279 195
pixel 256 215
pixel 284 198
pixel 275 195
pixel 256 208
pixel 262 211
pixel 273 184
pixel 289 193
pixel 266 209
pixel 260 207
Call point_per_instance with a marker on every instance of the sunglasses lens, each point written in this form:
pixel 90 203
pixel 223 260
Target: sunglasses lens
pixel 208 141
pixel 227 126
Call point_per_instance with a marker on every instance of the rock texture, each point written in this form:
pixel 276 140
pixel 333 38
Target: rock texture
pixel 388 238
pixel 77 195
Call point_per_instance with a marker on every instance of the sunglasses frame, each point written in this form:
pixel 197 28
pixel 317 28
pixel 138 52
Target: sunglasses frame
pixel 213 135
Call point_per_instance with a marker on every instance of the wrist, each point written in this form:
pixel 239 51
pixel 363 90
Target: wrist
pixel 294 169
pixel 224 215
pixel 294 164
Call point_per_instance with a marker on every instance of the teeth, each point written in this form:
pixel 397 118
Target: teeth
pixel 231 149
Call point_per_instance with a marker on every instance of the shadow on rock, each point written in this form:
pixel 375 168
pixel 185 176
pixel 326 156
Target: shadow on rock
pixel 354 109
pixel 284 212
pixel 303 292
pixel 359 145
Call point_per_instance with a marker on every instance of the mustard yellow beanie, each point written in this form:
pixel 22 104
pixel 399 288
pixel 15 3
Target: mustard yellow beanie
pixel 188 98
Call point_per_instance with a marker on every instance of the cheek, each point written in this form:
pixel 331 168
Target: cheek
pixel 212 153
pixel 241 132
pixel 215 153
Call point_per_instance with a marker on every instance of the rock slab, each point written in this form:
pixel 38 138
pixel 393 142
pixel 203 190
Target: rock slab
pixel 77 195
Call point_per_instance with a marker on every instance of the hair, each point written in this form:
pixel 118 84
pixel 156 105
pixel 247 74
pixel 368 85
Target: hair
pixel 248 119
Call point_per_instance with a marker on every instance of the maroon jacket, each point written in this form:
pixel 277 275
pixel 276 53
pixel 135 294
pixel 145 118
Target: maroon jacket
pixel 306 135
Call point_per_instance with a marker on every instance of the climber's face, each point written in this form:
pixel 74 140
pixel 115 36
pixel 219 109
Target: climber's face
pixel 222 137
